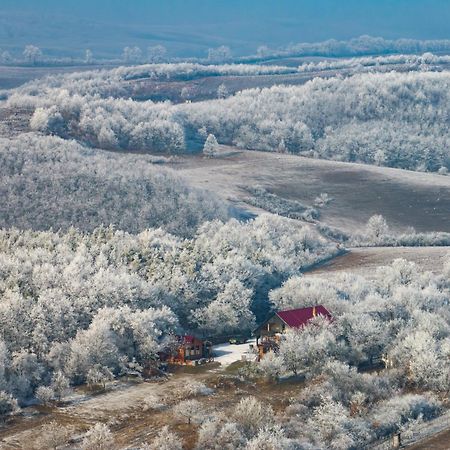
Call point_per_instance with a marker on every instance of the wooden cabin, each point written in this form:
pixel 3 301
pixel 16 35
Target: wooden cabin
pixel 269 333
pixel 189 350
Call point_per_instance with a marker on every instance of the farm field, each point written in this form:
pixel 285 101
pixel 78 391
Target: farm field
pixel 420 200
pixel 365 261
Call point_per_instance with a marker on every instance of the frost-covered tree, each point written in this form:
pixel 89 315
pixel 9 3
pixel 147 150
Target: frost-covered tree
pixel 5 57
pixel 263 51
pixel 251 415
pixel 230 312
pixel 271 365
pixel 211 146
pixel 98 376
pixel 219 54
pixel 88 57
pixel 156 53
pixel 132 54
pixel 307 348
pixel 215 434
pixel 330 424
pixel 186 93
pixel 189 411
pixel 271 438
pixel 27 371
pixel 222 91
pixel 32 54
pixel 44 394
pixel 60 385
pixel 282 147
pixel 8 405
pixel 376 229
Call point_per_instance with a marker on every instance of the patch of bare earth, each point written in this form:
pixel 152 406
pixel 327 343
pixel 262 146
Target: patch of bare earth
pixel 14 121
pixel 440 441
pixel 123 409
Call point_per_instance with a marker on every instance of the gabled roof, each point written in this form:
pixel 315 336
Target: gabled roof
pixel 188 339
pixel 296 318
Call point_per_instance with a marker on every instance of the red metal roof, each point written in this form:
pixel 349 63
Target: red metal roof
pixel 188 339
pixel 296 318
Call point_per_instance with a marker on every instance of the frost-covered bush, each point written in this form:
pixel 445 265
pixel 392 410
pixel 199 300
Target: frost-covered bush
pixel 44 394
pixel 218 434
pixel 166 440
pixel 98 437
pixel 194 388
pixel 8 405
pixel 391 414
pixel 251 415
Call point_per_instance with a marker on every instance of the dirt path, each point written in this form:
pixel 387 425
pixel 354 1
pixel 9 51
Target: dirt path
pixel 124 403
pixel 439 442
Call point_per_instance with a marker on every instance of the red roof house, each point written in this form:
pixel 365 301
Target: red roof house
pixel 268 333
pixel 296 318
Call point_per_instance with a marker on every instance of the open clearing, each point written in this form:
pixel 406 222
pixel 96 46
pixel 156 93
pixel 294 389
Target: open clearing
pixel 404 198
pixel 365 261
pixel 123 407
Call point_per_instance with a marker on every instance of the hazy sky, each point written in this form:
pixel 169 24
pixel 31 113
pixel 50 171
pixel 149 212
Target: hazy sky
pixel 242 23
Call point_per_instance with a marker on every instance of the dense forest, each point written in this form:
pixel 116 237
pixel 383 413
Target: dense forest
pixel 47 182
pixel 72 300
pixel 388 119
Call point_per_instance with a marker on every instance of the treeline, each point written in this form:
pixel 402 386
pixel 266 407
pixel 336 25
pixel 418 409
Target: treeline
pixel 378 234
pixel 47 182
pixel 363 45
pixel 116 82
pixel 392 119
pixel 409 62
pixel 74 303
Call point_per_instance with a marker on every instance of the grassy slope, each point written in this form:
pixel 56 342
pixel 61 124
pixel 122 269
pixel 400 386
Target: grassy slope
pixel 421 200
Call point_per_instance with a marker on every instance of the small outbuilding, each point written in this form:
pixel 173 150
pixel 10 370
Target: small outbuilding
pixel 269 333
pixel 188 350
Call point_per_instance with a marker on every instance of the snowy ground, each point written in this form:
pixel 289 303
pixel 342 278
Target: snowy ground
pixel 365 261
pixel 227 354
pixel 404 198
